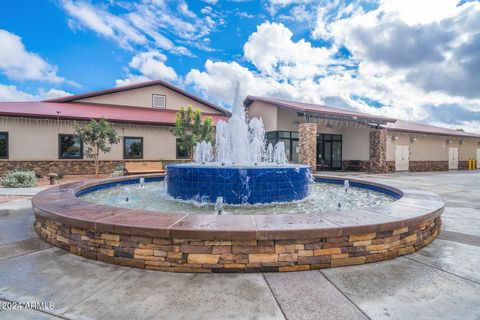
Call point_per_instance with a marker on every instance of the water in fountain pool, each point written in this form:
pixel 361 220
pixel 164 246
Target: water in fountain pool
pixel 323 197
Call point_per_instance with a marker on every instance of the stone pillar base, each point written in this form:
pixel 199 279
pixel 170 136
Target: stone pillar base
pixel 308 144
pixel 378 151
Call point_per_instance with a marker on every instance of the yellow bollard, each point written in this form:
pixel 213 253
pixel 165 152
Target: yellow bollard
pixel 469 164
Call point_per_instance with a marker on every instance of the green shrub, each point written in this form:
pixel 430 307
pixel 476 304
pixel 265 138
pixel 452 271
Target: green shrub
pixel 118 171
pixel 19 179
pixel 60 174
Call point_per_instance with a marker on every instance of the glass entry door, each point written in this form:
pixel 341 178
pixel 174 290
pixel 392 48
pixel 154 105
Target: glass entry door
pixel 329 152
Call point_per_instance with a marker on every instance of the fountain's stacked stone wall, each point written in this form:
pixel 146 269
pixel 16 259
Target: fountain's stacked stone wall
pixel 248 185
pixel 199 255
pixel 308 144
pixel 71 166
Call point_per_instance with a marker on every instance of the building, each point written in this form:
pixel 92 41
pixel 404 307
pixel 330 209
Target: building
pixel 334 139
pixel 39 135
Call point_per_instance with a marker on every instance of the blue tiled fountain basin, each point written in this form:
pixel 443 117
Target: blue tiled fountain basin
pixel 238 185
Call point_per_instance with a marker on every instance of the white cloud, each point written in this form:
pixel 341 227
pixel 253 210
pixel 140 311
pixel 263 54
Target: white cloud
pixel 273 52
pixel 415 12
pixel 183 7
pixel 84 14
pixel 144 24
pixel 19 64
pixel 131 79
pixel 11 93
pixel 298 71
pixel 148 66
pixel 274 5
pixel 52 94
pixel 437 54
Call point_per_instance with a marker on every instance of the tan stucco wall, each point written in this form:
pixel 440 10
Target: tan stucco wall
pixel 288 120
pixel 267 113
pixel 468 150
pixel 356 141
pixel 431 147
pixel 142 97
pixel 32 139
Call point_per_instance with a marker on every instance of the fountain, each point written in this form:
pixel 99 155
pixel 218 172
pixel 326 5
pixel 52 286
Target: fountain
pixel 241 169
pixel 238 169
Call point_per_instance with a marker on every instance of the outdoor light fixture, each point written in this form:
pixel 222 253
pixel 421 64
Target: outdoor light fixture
pixel 394 138
pixel 413 139
pixel 449 141
pixel 462 141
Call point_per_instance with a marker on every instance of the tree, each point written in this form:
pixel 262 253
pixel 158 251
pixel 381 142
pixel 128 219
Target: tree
pixel 189 129
pixel 97 136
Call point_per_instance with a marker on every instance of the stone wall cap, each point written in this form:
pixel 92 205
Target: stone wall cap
pixel 61 204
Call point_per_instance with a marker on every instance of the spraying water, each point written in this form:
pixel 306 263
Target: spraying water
pixel 219 206
pixel 238 142
pixel 203 152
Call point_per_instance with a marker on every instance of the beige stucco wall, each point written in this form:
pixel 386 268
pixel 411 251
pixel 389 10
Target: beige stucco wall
pixel 266 112
pixel 356 141
pixel 468 150
pixel 37 139
pixel 142 97
pixel 288 120
pixel 431 147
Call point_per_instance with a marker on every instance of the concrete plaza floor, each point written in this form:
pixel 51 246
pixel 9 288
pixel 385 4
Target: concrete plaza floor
pixel 442 281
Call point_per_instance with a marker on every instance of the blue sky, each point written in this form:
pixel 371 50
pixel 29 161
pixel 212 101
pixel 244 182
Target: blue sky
pixel 417 61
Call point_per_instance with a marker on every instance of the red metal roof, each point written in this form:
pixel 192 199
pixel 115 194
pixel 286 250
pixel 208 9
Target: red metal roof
pixel 136 86
pixel 406 126
pixel 316 108
pixel 87 111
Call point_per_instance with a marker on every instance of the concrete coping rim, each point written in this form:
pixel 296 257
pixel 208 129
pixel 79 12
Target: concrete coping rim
pixel 60 203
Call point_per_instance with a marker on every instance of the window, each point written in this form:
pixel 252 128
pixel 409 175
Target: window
pixel 181 154
pixel 329 151
pixel 69 147
pixel 290 139
pixel 132 148
pixel 3 145
pixel 159 101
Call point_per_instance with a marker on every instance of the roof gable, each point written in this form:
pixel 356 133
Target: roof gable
pixel 77 97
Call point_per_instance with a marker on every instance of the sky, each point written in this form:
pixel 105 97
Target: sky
pixel 417 60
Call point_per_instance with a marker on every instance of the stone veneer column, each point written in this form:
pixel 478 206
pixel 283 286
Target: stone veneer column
pixel 378 151
pixel 308 144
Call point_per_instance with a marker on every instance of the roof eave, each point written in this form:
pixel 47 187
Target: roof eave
pixel 466 135
pixel 46 116
pixel 377 120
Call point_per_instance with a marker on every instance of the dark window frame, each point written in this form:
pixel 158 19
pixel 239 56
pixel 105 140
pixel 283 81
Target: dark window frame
pixel 177 150
pixel 6 145
pixel 165 98
pixel 330 138
pixel 125 156
pixel 274 136
pixel 60 136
